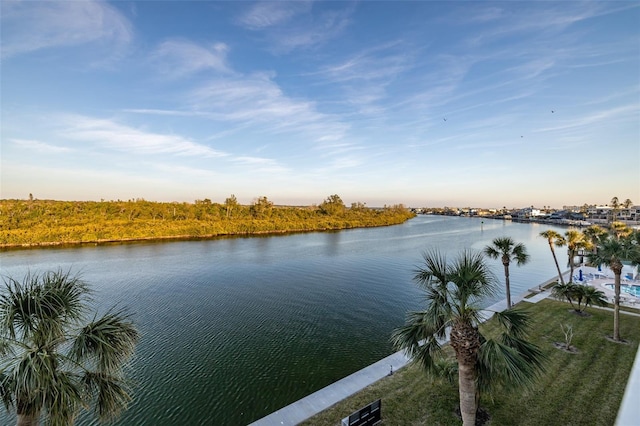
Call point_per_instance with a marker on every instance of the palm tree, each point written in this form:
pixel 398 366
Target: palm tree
pixel 583 295
pixel 627 203
pixel 620 229
pixel 595 234
pixel 565 291
pixel 615 208
pixel 452 291
pixel 611 252
pixel 51 363
pixel 576 241
pixel 507 250
pixel 590 296
pixel 554 238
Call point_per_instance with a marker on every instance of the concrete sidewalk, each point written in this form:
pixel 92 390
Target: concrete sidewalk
pixel 318 401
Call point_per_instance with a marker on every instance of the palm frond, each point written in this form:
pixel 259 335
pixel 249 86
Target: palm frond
pixel 419 338
pixel 446 368
pixel 109 341
pixel 501 364
pixel 63 400
pixel 520 254
pixel 530 353
pixel 473 281
pixel 65 297
pixel 111 394
pixel 39 308
pixel 434 272
pixel 515 322
pixel 38 317
pixel 7 389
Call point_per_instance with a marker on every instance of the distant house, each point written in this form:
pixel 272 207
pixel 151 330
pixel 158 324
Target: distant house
pixel 604 214
pixel 529 213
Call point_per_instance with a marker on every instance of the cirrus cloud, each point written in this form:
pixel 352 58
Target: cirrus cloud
pixel 31 26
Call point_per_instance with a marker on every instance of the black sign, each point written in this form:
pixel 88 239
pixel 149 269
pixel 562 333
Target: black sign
pixel 369 415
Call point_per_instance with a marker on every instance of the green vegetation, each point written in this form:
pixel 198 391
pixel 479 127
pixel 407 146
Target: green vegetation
pixel 582 295
pixel 583 386
pixel 610 247
pixel 611 252
pixel 52 362
pixel 45 222
pixel 484 362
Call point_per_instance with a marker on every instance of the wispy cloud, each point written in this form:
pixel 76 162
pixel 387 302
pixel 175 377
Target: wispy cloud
pixel 363 77
pixel 533 19
pixel 40 147
pixel 168 112
pixel 258 100
pixel 625 112
pixel 380 62
pixel 30 26
pixel 259 164
pixel 532 69
pixel 179 58
pixel 112 135
pixel 487 15
pixel 284 33
pixel 268 14
pixel 327 27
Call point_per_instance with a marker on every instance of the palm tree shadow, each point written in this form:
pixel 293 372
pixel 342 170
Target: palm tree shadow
pixel 621 341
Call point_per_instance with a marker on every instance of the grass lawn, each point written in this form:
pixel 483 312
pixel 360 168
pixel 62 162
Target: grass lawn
pixel 582 388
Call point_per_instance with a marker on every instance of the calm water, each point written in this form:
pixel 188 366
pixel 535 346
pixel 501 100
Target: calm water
pixel 234 329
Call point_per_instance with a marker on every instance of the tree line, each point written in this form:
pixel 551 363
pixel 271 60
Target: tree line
pixel 35 222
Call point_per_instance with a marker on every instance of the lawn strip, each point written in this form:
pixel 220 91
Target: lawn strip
pixel 581 388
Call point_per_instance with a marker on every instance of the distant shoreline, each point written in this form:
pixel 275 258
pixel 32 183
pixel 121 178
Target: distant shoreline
pixel 26 224
pixel 108 241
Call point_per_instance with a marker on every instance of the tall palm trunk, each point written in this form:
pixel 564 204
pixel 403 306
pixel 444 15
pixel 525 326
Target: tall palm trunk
pixel 505 262
pixel 571 264
pixel 465 340
pixel 616 304
pixel 468 402
pixel 555 259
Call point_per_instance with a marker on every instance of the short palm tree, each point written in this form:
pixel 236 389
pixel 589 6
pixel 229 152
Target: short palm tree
pixel 612 252
pixel 590 296
pixel 565 291
pixel 453 291
pixel 507 250
pixel 583 295
pixel 554 239
pixel 52 363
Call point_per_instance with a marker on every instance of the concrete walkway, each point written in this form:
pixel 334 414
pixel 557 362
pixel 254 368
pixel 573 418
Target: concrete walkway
pixel 311 405
pixel 318 401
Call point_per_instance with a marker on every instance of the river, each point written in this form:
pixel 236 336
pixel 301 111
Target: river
pixel 236 328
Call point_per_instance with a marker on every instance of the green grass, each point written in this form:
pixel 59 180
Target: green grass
pixel 584 388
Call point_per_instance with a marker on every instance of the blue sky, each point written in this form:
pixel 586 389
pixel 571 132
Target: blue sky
pixel 422 103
